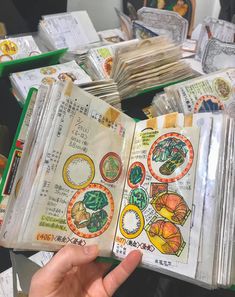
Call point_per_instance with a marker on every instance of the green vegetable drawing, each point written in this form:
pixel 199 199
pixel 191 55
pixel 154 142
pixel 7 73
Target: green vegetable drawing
pixel 97 221
pixel 95 200
pixel 136 175
pixel 139 198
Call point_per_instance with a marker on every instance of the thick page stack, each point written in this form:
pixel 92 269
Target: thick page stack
pixel 90 174
pixel 152 63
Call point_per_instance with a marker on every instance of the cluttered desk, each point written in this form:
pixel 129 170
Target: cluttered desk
pixel 157 97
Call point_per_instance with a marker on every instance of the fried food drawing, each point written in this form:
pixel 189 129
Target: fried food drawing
pixel 166 237
pixel 80 216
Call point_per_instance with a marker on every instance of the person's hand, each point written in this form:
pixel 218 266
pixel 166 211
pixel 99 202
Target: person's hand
pixel 72 272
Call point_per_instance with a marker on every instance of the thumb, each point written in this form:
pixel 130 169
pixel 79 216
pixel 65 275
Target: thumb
pixel 68 257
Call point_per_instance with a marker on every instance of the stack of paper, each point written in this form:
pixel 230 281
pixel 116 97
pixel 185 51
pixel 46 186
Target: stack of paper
pixel 152 63
pixel 18 47
pixel 70 30
pixel 104 89
pixel 23 81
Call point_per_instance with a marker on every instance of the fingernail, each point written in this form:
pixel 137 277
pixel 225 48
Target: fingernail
pixel 90 249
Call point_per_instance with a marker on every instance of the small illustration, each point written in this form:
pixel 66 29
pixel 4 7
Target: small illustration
pixel 78 171
pixel 90 211
pixel 169 205
pixel 222 88
pixel 176 153
pixel 165 236
pixel 8 47
pixel 139 198
pixel 208 103
pixel 34 53
pixel 111 167
pixel 65 76
pixel 108 65
pixel 131 221
pixel 5 58
pixel 48 70
pixel 48 80
pixel 136 175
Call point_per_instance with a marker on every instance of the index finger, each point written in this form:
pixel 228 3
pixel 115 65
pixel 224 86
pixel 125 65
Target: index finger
pixel 116 277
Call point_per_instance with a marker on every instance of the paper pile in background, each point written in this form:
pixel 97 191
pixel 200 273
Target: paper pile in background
pixel 23 81
pixel 70 30
pixel 209 93
pixel 6 277
pixel 17 48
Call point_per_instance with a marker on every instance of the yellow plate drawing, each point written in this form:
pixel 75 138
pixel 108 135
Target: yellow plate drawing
pixel 78 171
pixel 131 222
pixel 8 47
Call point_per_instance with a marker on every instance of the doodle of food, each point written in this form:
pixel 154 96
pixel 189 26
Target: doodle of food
pixel 97 221
pixel 80 216
pixel 95 200
pixel 111 167
pixel 173 152
pixel 222 87
pixel 136 174
pixel 166 237
pixel 139 198
pixel 108 65
pixel 172 206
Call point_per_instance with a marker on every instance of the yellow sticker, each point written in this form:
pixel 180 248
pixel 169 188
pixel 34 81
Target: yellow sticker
pixel 8 47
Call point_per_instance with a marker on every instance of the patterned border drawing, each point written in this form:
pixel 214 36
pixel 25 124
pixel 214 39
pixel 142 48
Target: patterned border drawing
pixel 134 214
pixel 218 55
pixel 183 172
pixel 116 171
pixel 75 199
pixel 208 103
pixel 68 179
pixel 142 172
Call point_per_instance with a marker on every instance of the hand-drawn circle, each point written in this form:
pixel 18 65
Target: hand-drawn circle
pixel 78 197
pixel 8 47
pixel 208 103
pixel 222 88
pixel 153 168
pixel 82 164
pixel 136 175
pixel 111 167
pixel 139 198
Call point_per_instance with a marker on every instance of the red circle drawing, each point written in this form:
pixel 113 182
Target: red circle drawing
pixel 130 183
pixel 190 156
pixel 75 198
pixel 208 103
pixel 111 167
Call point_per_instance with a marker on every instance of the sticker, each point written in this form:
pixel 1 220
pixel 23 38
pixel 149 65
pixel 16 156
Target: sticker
pixel 8 47
pixel 222 88
pixel 136 175
pixel 131 221
pixel 48 70
pixel 90 211
pixel 108 65
pixel 111 167
pixel 78 171
pixel 170 157
pixel 208 103
pixel 165 236
pixel 139 198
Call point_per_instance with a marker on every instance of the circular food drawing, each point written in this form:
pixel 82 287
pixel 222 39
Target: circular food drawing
pixel 48 80
pixel 222 88
pixel 208 103
pixel 111 167
pixel 78 171
pixel 136 175
pixel 131 221
pixel 48 70
pixel 170 157
pixel 34 53
pixel 108 65
pixel 90 211
pixel 139 198
pixel 8 47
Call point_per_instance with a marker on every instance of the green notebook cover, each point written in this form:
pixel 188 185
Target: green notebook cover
pixel 44 59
